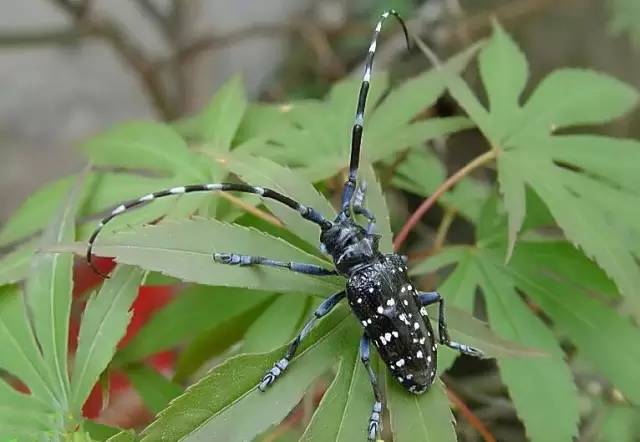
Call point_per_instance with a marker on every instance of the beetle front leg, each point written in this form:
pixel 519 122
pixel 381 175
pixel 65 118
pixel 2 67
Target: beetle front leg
pixel 280 366
pixel 428 298
pixel 375 422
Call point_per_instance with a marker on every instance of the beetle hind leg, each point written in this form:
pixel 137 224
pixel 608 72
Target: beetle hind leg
pixel 375 421
pixel 428 298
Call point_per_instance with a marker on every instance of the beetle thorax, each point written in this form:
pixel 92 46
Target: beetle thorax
pixel 350 246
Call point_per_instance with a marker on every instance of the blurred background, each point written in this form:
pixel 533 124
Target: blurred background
pixel 71 68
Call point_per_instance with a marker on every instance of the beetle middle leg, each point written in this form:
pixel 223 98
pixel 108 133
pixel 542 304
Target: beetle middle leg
pixel 428 298
pixel 280 366
pixel 247 260
pixel 375 425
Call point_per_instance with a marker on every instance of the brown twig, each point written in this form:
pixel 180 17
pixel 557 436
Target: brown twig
pixel 470 416
pixel 449 183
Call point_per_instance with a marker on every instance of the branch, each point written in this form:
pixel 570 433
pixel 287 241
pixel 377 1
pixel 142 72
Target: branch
pixel 469 415
pixel 448 184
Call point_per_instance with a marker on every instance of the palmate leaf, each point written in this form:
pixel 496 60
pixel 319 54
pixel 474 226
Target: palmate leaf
pixel 277 325
pixel 545 272
pixel 216 125
pixel 266 173
pixel 204 411
pixel 104 323
pixel 317 138
pixel 21 357
pixel 346 405
pixel 48 295
pixel 184 249
pixel 574 175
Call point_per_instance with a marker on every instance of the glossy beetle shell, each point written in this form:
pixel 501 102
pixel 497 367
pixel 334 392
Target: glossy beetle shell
pixel 386 302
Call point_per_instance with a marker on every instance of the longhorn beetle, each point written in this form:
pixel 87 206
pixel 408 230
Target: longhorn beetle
pixel 392 311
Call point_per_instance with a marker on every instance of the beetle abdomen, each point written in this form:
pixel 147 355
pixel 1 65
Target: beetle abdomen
pixel 386 303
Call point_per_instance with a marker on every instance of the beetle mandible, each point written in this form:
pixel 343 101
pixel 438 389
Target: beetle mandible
pixel 378 289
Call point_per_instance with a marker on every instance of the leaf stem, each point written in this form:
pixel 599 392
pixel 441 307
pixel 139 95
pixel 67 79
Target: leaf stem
pixel 445 186
pixel 470 416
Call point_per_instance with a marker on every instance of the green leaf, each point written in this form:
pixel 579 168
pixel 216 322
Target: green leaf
pixel 156 390
pixel 184 249
pixel 625 18
pixel 425 418
pixel 14 266
pixel 22 414
pixel 581 195
pixel 99 431
pixel 532 383
pixel 195 310
pixel 343 413
pixel 145 145
pixel 619 423
pixel 219 121
pixel 100 191
pixel 124 436
pixel 266 173
pixel 324 127
pixel 104 323
pixel 214 341
pixel 465 328
pixel 21 356
pixel 204 411
pixel 376 203
pixel 504 72
pixel 422 173
pixel 48 294
pixel 277 325
pixel 570 97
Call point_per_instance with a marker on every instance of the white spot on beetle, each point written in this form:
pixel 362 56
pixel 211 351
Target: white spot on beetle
pixel 369 321
pixel 400 379
pixel 422 341
pixel 371 290
pixel 400 362
pixel 409 287
pixel 419 354
pixel 177 190
pixel 391 302
pixel 423 311
pixel 364 323
pixel 395 334
pixel 400 269
pixel 429 358
pixel 148 197
pixel 387 336
pixel 409 376
pixel 383 340
pixel 214 186
pixel 405 302
pixel 416 325
pixel 380 309
pixel 359 300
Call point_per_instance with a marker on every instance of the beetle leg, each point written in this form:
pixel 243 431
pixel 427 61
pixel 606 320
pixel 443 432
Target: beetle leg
pixel 280 366
pixel 359 209
pixel 428 298
pixel 375 423
pixel 247 260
